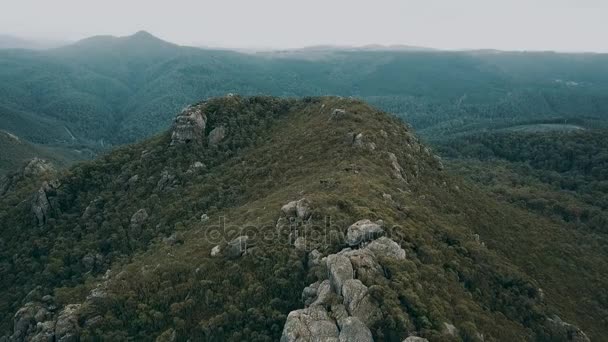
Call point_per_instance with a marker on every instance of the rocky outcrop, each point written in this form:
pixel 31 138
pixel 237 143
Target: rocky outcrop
pixel 38 322
pixel 396 168
pixel 342 305
pixel 353 330
pixel 43 204
pixel 363 231
pixel 310 324
pixel 37 167
pixel 217 135
pixel 337 114
pixel 189 126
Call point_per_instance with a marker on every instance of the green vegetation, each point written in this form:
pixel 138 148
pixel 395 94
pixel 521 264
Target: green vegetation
pixel 275 151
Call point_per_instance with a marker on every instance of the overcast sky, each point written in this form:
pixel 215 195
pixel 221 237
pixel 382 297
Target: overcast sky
pixel 565 25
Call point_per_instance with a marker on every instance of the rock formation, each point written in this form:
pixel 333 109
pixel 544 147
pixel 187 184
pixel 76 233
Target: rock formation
pixel 189 126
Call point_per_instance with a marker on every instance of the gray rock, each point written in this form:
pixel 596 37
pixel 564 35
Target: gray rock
pixel 24 320
pixel 385 247
pixel 566 331
pixel 139 218
pixel 339 271
pixel 237 247
pixel 359 303
pixel 42 207
pixel 358 141
pixel 396 168
pixel 364 263
pixel 310 324
pixel 449 329
pixel 300 244
pixel 67 328
pixel 415 339
pixel 289 209
pixel 166 181
pixel 339 313
pixel 215 251
pixel 189 126
pixel 323 294
pixel 303 209
pixel 217 135
pixel 362 231
pixel 314 258
pixel 353 330
pixel 337 114
pixel 45 332
pixel 309 294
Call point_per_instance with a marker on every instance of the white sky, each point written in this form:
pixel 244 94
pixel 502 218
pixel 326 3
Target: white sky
pixel 564 25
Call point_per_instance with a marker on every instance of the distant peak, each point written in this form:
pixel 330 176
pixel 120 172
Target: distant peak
pixel 143 34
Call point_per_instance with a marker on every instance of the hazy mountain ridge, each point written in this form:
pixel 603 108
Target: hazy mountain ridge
pixel 145 211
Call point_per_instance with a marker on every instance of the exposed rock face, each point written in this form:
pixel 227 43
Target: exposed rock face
pixel 42 203
pixel 353 330
pixel 289 209
pixel 310 324
pixel 449 329
pixel 189 126
pixel 166 181
pixel 387 248
pixel 35 322
pixel 237 247
pixel 339 270
pixel 24 321
pixel 217 135
pixel 363 231
pixel 358 302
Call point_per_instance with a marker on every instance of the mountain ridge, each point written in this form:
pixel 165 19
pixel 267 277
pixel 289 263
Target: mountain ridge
pixel 244 159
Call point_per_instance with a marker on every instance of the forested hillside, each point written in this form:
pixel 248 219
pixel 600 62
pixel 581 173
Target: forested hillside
pixel 106 90
pixel 140 243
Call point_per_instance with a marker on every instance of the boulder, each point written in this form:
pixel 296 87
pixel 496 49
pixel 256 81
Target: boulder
pixel 309 294
pixel 300 244
pixel 45 332
pixel 237 247
pixel 387 248
pixel 25 320
pixel 353 330
pixel 139 218
pixel 217 135
pixel 323 294
pixel 289 209
pixel 337 114
pixel 449 329
pixel 36 167
pixel 363 231
pixel 310 324
pixel 189 126
pixel 303 209
pixel 364 263
pixel 67 328
pixel 339 270
pixel 359 303
pixel 215 251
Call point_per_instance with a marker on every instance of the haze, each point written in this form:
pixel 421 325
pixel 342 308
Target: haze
pixel 562 25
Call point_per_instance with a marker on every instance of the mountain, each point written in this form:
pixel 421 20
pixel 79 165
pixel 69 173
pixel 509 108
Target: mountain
pixel 105 90
pixel 265 219
pixel 13 42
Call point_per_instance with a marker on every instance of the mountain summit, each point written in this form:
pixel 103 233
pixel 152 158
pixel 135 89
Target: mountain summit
pixel 265 219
